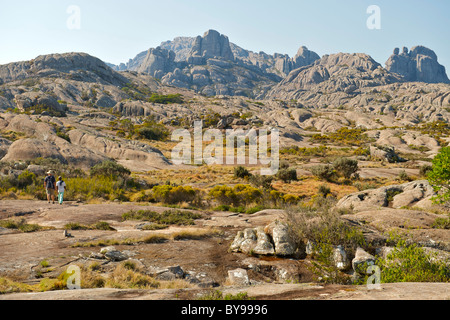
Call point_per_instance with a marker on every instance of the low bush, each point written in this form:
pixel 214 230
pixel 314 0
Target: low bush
pixel 109 169
pixel 20 225
pixel 323 172
pixel 236 196
pixel 345 167
pixel 169 217
pixel 287 175
pixel 410 263
pixel 241 172
pixel 176 194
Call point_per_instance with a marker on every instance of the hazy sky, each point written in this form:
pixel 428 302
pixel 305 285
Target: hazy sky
pixel 116 31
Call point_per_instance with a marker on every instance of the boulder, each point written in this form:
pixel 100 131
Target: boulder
pixel 386 154
pixel 263 246
pixel 238 277
pixel 250 241
pixel 284 244
pixel 36 169
pixel 340 258
pixel 238 240
pixel 114 255
pixel 170 273
pixel 274 239
pixel 362 260
pixel 397 196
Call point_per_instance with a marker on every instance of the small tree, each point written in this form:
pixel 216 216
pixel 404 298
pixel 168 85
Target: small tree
pixel 345 167
pixel 439 176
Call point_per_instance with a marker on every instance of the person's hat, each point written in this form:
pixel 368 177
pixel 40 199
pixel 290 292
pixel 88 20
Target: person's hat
pixel 59 178
pixel 50 172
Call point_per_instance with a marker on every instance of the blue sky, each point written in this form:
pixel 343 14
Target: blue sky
pixel 115 31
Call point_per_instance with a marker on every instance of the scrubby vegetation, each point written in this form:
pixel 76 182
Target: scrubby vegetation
pixel 169 217
pixel 344 136
pixel 439 175
pixel 149 129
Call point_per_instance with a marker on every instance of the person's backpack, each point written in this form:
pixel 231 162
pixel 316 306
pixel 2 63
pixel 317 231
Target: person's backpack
pixel 50 182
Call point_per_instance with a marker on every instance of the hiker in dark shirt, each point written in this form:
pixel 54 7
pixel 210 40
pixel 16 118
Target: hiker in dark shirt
pixel 50 186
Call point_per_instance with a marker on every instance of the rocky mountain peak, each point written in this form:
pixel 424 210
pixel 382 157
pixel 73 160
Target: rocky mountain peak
pixel 418 64
pixel 212 45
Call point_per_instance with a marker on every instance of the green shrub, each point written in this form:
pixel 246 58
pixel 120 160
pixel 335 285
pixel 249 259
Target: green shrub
pixel 346 136
pixel 100 187
pixel 410 263
pixel 156 133
pixel 25 179
pixel 172 195
pixel 109 169
pixel 20 225
pixel 241 172
pixel 403 176
pixel 264 182
pixel 345 167
pixel 166 99
pixel 425 169
pixel 323 172
pixel 218 295
pixel 324 191
pixel 287 175
pixel 169 217
pixel 236 196
pixel 442 223
pixel 439 176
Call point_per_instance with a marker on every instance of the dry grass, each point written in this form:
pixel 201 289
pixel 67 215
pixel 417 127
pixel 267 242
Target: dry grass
pixel 196 234
pixel 308 187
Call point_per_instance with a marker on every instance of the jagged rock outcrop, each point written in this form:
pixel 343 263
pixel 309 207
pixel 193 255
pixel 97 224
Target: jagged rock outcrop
pixel 158 62
pixel 303 58
pixel 419 64
pixel 182 47
pixel 212 45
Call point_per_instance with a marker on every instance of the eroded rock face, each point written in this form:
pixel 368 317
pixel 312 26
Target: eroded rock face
pixel 212 45
pixel 274 239
pixel 158 62
pixel 397 196
pixel 419 64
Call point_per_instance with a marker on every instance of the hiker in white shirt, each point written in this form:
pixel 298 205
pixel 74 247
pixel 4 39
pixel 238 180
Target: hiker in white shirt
pixel 61 186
